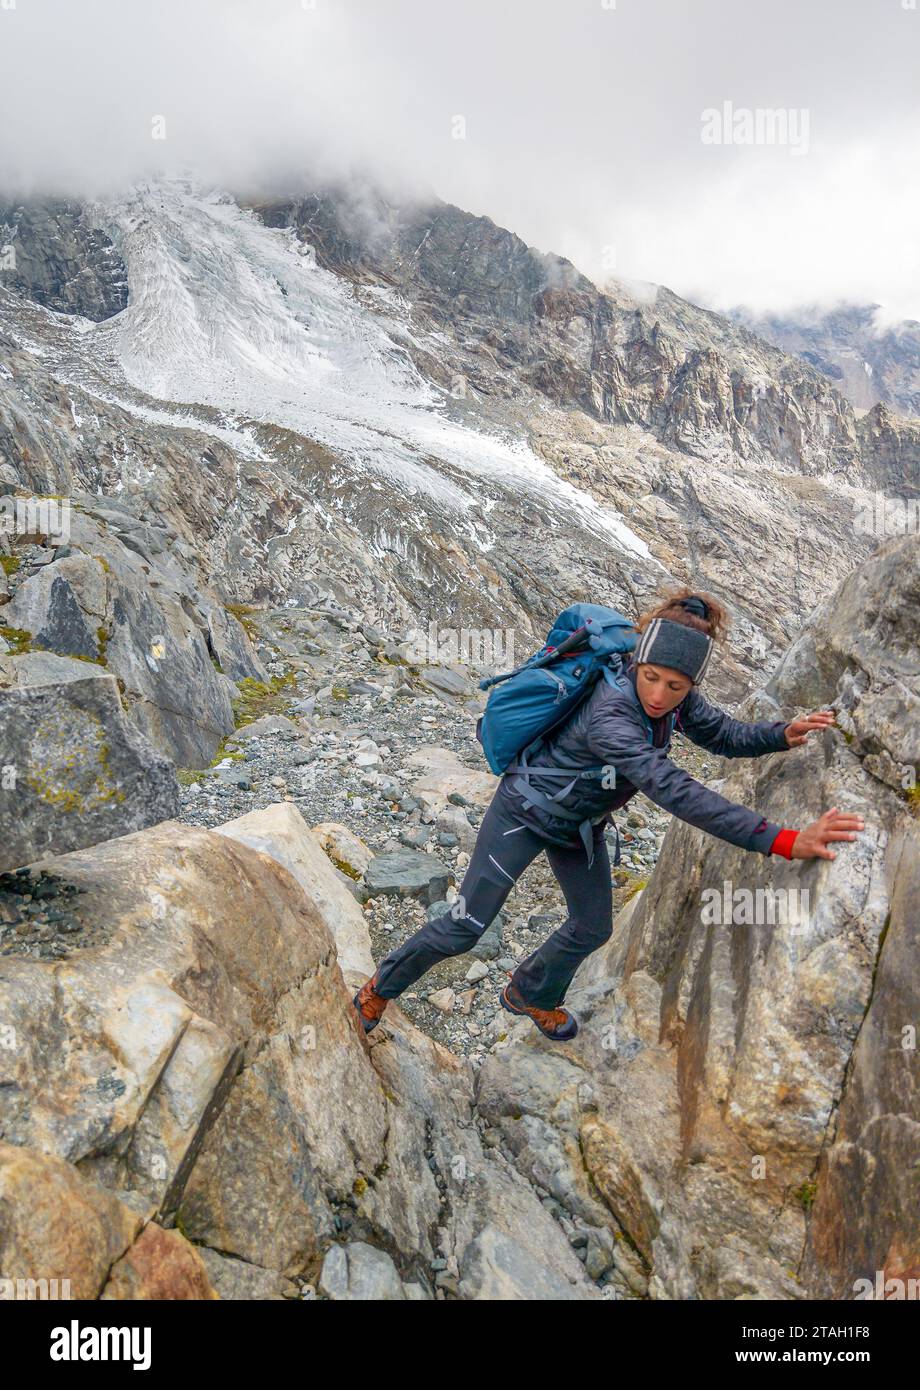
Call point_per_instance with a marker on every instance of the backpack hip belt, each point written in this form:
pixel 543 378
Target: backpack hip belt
pixel 534 797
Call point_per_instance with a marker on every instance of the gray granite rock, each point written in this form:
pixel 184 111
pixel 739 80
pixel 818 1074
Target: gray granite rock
pixel 230 645
pixel 81 772
pixel 407 874
pixel 239 1280
pixel 496 1267
pixel 359 1272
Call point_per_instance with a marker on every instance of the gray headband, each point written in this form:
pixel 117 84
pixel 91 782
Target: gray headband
pixel 671 644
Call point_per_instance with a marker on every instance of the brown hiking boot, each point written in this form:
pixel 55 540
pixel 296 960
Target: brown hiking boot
pixel 556 1024
pixel 370 1005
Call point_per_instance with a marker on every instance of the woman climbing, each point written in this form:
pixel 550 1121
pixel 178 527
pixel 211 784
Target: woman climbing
pixel 625 724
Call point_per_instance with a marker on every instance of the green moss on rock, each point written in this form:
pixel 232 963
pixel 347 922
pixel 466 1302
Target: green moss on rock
pixel 257 698
pixel 243 614
pixel 805 1195
pixel 17 639
pixel 76 781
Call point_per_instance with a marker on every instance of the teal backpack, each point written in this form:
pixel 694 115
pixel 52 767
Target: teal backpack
pixel 527 704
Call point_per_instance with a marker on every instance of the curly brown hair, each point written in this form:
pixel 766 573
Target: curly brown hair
pixel 715 626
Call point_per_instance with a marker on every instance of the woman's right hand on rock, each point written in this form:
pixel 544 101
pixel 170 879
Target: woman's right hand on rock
pixel 813 841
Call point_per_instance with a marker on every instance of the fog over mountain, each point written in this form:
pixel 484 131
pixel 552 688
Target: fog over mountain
pixel 579 125
pixel 854 345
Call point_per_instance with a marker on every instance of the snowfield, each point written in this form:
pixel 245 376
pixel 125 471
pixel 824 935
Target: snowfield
pixel 227 313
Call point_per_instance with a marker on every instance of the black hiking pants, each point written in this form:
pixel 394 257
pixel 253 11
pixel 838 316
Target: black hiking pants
pixel 503 849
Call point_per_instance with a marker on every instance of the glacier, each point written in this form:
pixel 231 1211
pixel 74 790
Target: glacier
pixel 227 313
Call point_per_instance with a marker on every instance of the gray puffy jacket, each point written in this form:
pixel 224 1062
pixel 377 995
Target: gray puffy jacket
pixel 611 733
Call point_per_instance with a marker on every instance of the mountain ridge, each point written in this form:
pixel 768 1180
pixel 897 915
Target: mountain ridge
pixel 871 362
pixel 529 437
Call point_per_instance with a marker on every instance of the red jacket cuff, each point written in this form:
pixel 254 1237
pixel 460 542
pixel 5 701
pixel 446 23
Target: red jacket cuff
pixel 783 843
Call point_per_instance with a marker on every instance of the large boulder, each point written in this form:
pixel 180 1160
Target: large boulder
pixel 744 1094
pixel 64 1237
pixel 75 771
pixel 205 1058
pixel 407 873
pixel 281 832
pixel 44 668
pixel 439 772
pixel 203 1069
pixel 117 595
pixel 860 651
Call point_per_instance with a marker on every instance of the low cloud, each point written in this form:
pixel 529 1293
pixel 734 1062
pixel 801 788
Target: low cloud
pixel 579 124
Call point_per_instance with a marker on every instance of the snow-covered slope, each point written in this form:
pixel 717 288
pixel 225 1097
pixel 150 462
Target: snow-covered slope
pixel 228 313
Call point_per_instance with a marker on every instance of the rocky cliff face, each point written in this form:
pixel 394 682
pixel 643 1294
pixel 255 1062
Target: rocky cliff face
pixel 124 597
pixel 745 1093
pixel 60 260
pixel 686 375
pixel 867 363
pixel 889 443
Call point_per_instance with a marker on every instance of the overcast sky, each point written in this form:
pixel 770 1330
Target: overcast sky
pixel 582 122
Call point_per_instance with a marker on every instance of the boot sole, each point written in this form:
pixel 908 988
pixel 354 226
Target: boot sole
pixel 522 1013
